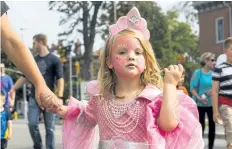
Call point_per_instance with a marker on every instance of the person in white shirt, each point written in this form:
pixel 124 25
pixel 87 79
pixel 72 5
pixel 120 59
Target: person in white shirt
pixel 221 59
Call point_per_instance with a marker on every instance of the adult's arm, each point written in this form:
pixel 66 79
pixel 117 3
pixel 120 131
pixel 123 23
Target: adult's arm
pixel 21 56
pixel 19 53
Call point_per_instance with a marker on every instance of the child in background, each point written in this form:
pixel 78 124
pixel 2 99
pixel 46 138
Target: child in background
pixel 180 84
pixel 130 103
pixel 6 122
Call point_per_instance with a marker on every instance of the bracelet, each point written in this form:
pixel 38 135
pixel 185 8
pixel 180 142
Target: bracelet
pixel 61 97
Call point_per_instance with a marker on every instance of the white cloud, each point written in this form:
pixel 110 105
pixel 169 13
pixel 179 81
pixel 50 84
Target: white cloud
pixel 34 18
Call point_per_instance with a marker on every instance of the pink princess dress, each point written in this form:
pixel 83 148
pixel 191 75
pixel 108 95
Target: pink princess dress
pixel 106 124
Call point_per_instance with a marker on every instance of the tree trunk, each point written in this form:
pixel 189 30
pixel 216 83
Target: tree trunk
pixel 89 36
pixel 87 62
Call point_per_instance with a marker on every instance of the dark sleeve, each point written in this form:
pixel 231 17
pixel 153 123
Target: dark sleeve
pixel 216 74
pixel 9 116
pixel 58 69
pixel 4 7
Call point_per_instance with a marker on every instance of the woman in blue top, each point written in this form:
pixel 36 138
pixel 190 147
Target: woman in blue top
pixel 201 88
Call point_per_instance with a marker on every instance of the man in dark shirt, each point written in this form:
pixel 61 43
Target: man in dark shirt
pixel 51 69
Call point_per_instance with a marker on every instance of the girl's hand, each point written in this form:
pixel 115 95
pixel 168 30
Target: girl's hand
pixel 173 74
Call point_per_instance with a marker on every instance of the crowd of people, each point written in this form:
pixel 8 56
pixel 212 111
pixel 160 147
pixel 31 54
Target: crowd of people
pixel 210 87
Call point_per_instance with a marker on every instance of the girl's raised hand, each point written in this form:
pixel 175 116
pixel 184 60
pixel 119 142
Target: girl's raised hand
pixel 173 74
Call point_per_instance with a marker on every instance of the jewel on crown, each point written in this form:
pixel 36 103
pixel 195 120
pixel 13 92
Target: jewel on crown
pixel 132 20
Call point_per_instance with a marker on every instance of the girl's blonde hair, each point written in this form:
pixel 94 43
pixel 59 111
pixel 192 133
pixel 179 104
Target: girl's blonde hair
pixel 151 75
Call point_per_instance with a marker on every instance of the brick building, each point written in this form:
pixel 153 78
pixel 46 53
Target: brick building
pixel 215 23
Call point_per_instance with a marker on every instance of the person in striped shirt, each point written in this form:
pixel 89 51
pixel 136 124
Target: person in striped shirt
pixel 222 92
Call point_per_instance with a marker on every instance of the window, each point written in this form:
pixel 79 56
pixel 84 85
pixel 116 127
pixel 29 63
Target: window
pixel 219 30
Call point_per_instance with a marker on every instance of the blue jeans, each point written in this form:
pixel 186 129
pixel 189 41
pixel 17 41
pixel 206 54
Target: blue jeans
pixel 33 124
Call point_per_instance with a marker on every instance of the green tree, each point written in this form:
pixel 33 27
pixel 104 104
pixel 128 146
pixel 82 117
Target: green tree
pixel 157 22
pixel 190 13
pixel 169 37
pixel 183 42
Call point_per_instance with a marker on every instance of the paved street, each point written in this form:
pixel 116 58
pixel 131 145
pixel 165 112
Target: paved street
pixel 21 138
pixel 220 143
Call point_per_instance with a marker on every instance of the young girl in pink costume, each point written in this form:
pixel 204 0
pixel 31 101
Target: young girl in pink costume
pixel 130 103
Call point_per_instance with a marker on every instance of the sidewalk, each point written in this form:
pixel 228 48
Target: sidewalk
pixel 22 121
pixel 21 138
pixel 220 134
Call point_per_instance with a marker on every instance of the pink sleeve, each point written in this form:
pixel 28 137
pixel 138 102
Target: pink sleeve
pixel 79 125
pixel 188 133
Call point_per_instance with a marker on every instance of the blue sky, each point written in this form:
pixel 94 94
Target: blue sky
pixel 29 18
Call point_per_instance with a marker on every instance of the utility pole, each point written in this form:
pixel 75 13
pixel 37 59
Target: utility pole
pixel 70 70
pixel 24 86
pixel 115 12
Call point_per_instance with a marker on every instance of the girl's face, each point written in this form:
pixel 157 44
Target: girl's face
pixel 181 82
pixel 127 57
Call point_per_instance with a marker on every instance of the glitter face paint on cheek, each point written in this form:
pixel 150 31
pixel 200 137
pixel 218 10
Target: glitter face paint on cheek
pixel 118 63
pixel 120 60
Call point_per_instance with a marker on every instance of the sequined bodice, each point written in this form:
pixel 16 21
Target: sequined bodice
pixel 122 119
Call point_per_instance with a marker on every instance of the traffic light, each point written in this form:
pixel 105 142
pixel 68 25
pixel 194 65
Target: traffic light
pixel 99 52
pixel 77 66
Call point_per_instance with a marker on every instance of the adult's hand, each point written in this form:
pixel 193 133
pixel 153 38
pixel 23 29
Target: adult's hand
pixel 46 99
pixel 217 118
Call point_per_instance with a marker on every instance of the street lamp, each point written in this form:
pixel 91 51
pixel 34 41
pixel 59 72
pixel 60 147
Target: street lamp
pixel 69 50
pixel 24 85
